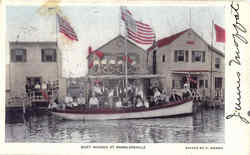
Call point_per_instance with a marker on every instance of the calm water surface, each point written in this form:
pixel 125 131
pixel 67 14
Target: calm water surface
pixel 206 126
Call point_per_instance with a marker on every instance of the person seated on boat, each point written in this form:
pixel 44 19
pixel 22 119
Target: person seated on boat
pixel 146 104
pixel 81 101
pixel 157 95
pixel 97 89
pixel 164 96
pixel 139 102
pixel 139 92
pixel 74 103
pixel 68 101
pixel 63 106
pixel 93 101
pixel 174 97
pixel 110 97
pixel 118 104
pixel 53 105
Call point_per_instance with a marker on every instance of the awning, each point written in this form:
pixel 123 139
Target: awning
pixel 136 76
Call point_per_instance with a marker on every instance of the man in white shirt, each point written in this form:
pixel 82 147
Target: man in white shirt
pixel 93 102
pixel 118 104
pixel 81 100
pixel 37 90
pixel 44 86
pixel 68 101
pixel 37 86
pixel 157 95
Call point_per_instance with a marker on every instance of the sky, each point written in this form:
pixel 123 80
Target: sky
pixel 95 25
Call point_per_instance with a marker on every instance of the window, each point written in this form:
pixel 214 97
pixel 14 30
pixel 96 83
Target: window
pixel 18 55
pixel 177 84
pixel 206 83
pixel 49 55
pixel 217 63
pixel 179 56
pixel 218 82
pixel 201 83
pixel 198 56
pixel 163 58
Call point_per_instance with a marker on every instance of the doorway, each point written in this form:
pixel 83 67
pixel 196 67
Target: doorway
pixel 33 80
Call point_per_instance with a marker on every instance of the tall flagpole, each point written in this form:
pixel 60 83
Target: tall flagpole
pixel 211 76
pixel 190 17
pixel 58 58
pixel 126 63
pixel 126 58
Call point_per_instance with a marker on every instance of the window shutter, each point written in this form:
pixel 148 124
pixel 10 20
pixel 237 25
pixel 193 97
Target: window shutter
pixel 42 55
pixel 193 56
pixel 54 56
pixel 203 56
pixel 13 55
pixel 175 56
pixel 24 55
pixel 186 56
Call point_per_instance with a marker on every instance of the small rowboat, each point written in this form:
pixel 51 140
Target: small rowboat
pixel 165 110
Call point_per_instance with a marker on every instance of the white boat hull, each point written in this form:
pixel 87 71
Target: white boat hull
pixel 179 109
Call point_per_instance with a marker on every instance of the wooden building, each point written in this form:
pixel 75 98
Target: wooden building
pixel 109 68
pixel 33 62
pixel 184 55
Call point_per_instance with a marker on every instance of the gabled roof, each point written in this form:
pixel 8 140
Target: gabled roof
pixel 168 40
pixel 122 37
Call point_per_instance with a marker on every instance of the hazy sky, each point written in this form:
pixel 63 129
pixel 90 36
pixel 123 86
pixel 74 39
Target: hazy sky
pixel 96 25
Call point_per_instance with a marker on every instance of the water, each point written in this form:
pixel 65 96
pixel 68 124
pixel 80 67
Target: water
pixel 206 126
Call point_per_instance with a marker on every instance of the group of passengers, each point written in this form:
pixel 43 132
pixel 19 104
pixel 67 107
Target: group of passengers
pixel 114 98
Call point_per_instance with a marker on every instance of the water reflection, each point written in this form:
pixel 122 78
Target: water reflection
pixel 204 126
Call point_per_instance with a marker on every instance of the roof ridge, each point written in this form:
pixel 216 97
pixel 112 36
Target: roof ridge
pixel 167 40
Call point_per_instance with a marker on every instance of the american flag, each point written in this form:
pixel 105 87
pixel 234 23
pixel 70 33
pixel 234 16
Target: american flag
pixel 137 31
pixel 66 29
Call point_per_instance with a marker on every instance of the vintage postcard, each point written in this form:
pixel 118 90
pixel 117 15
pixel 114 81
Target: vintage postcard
pixel 125 77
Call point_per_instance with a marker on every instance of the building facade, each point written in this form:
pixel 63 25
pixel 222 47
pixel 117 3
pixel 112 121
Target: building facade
pixel 185 56
pixel 33 62
pixel 109 67
pixel 113 60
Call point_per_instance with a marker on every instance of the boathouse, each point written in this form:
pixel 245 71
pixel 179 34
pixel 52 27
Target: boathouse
pixel 186 55
pixel 109 65
pixel 33 62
